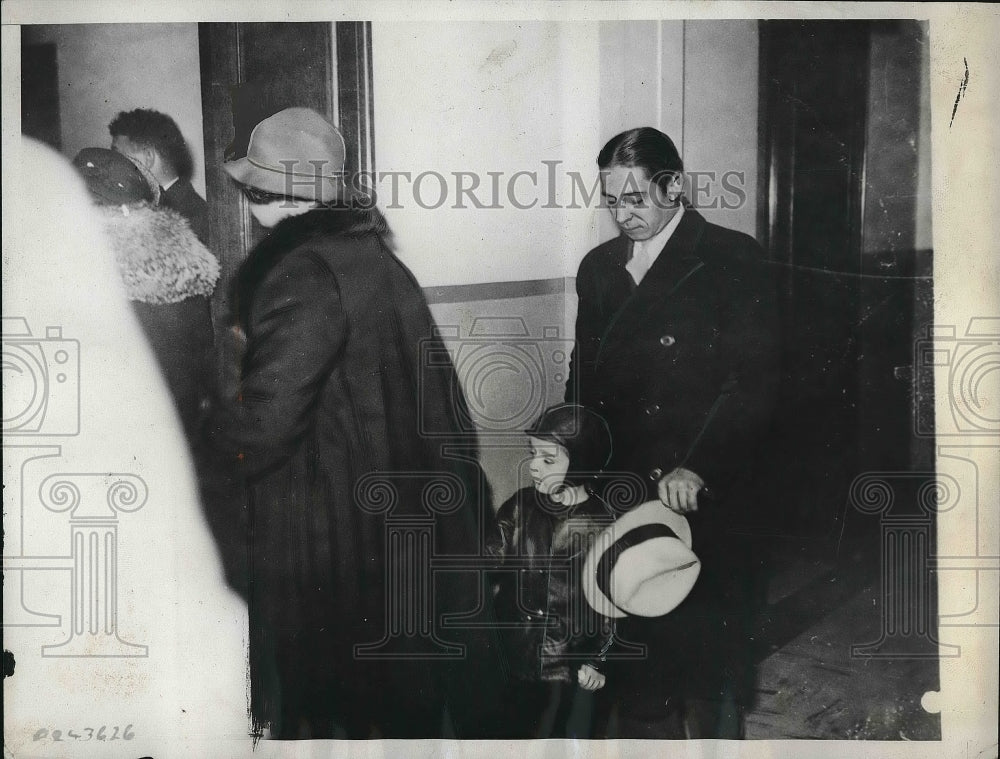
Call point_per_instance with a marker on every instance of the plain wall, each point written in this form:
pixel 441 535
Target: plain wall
pixel 897 220
pixel 720 118
pixel 108 68
pixel 487 97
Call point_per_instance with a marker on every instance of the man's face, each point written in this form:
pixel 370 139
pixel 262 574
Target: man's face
pixel 125 146
pixel 640 208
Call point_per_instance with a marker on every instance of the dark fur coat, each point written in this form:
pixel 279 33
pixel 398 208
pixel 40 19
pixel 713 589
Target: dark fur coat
pixel 346 435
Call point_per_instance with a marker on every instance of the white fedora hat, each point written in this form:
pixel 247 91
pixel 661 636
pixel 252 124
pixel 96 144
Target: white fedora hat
pixel 642 565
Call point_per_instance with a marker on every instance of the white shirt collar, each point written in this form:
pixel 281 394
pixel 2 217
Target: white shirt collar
pixel 173 181
pixel 645 252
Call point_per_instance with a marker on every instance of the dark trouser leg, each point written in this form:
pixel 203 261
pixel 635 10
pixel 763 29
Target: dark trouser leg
pixel 552 710
pixel 682 718
pixel 660 720
pixel 712 719
pixel 645 692
pixel 585 713
pixel 529 710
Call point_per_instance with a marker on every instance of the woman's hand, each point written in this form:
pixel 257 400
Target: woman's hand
pixel 589 678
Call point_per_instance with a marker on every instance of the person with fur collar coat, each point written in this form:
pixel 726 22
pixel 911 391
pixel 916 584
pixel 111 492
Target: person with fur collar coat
pixel 167 272
pixel 337 407
pixel 169 276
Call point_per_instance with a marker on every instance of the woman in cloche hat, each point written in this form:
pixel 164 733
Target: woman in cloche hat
pixel 331 399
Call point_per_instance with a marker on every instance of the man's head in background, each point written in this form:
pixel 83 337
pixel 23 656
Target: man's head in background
pixel 154 140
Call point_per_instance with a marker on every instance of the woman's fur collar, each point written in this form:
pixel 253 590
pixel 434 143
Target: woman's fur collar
pixel 295 231
pixel 159 258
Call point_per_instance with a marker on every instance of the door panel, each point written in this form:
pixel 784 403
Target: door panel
pixel 833 151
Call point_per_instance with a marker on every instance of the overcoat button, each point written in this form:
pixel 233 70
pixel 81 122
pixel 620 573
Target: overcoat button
pixel 655 474
pixel 667 340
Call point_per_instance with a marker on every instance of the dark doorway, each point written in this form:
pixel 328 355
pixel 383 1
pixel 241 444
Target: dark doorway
pixel 850 534
pixel 837 213
pixel 40 92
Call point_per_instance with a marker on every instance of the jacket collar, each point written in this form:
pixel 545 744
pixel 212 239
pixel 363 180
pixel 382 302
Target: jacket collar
pixel 678 259
pixel 679 256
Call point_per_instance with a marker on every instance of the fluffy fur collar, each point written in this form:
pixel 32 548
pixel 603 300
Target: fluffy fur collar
pixel 294 231
pixel 159 258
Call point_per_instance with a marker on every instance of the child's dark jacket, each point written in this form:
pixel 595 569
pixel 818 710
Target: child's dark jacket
pixel 548 628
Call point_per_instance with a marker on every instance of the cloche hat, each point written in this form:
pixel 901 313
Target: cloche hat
pixel 295 153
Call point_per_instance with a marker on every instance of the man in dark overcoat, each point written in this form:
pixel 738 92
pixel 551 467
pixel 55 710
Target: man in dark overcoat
pixel 677 346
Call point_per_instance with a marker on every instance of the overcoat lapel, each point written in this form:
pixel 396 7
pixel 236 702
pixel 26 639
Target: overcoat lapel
pixel 677 262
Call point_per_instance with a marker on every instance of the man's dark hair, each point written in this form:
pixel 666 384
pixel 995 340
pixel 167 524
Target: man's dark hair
pixel 644 148
pixel 156 130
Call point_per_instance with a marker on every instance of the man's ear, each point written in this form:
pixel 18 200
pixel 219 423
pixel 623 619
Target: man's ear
pixel 676 183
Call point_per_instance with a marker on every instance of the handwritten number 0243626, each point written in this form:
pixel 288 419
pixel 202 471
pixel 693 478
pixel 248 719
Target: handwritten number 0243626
pixel 103 733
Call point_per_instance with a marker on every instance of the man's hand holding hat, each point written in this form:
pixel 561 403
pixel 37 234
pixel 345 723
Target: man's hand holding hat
pixel 642 564
pixel 678 490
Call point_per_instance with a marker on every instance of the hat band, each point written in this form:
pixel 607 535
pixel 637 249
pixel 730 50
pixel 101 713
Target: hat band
pixel 267 167
pixel 629 540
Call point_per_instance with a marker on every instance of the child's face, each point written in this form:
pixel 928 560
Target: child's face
pixel 548 465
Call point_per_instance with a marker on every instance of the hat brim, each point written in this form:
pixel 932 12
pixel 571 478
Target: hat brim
pixel 592 592
pixel 308 186
pixel 652 579
pixel 671 570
